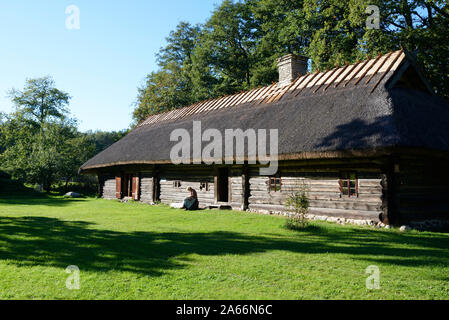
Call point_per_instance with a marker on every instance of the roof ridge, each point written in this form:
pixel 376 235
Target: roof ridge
pixel 382 64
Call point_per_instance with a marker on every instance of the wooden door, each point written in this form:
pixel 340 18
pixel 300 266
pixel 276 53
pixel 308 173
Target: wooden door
pixel 118 187
pixel 222 185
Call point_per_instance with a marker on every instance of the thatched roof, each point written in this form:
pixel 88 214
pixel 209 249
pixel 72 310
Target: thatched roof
pixel 374 105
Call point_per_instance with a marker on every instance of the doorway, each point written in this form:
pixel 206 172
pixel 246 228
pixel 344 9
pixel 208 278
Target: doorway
pixel 127 185
pixel 223 185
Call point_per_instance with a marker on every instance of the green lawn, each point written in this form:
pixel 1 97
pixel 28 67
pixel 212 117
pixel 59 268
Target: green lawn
pixel 135 251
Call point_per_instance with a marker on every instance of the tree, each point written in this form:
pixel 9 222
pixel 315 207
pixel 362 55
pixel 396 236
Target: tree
pixel 45 158
pixel 104 139
pixel 230 37
pixel 171 86
pixel 226 55
pixel 282 29
pixel 340 34
pixel 40 100
pixel 237 48
pixel 75 150
pixel 54 152
pixel 164 90
pixel 17 134
pixel 180 45
pixel 2 142
pixel 41 143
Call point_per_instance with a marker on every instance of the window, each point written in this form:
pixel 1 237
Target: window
pixel 275 184
pixel 204 186
pixel 177 184
pixel 349 185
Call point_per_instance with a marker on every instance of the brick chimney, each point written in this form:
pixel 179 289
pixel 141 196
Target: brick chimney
pixel 290 67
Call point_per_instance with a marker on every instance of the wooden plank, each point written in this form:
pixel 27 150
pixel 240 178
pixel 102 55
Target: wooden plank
pixel 381 63
pixel 134 188
pixel 118 187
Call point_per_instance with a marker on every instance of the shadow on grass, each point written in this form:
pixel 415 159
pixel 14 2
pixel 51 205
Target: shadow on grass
pixel 33 241
pixel 309 228
pixel 35 198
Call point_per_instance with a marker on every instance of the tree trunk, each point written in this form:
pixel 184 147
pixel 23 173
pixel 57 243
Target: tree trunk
pixel 66 185
pixel 407 14
pixel 47 185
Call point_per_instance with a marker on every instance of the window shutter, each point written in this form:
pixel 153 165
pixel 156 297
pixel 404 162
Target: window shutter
pixel 134 188
pixel 137 187
pixel 118 187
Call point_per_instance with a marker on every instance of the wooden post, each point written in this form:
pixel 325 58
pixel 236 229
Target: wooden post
pixel 118 187
pixel 245 189
pixel 229 186
pixel 155 185
pixel 216 186
pixel 384 215
pixel 135 187
pixel 137 198
pixel 100 185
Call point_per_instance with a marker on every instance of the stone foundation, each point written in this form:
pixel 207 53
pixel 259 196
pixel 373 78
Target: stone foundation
pixel 339 220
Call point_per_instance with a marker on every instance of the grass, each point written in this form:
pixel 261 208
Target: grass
pixel 135 251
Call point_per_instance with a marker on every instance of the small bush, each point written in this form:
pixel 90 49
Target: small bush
pixel 298 202
pixel 296 223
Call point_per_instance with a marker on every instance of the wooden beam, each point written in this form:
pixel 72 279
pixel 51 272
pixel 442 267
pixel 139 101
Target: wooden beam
pixel 216 187
pixel 245 189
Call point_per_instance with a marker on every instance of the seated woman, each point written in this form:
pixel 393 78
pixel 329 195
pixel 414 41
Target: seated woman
pixel 191 203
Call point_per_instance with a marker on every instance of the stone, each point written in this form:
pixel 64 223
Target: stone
pixel 388 227
pixel 72 195
pixel 404 228
pixel 126 199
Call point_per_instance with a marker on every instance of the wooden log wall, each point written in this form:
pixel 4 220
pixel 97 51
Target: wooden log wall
pixel 236 189
pixel 324 193
pixel 146 187
pixel 108 187
pixel 322 178
pixel 193 176
pixel 422 189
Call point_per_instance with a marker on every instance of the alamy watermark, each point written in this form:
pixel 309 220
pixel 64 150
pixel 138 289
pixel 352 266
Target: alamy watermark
pixel 190 148
pixel 73 21
pixel 73 280
pixel 373 20
pixel 373 281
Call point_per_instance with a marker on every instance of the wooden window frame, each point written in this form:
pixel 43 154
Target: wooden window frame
pixel 271 185
pixel 177 184
pixel 206 186
pixel 348 179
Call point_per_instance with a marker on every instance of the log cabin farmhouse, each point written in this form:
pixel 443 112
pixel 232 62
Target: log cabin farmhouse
pixel 370 140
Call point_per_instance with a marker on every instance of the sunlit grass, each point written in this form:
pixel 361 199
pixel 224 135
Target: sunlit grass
pixel 136 251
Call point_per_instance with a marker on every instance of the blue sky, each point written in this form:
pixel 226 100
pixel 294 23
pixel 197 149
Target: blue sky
pixel 101 64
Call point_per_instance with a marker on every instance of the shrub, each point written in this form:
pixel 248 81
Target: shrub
pixel 298 203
